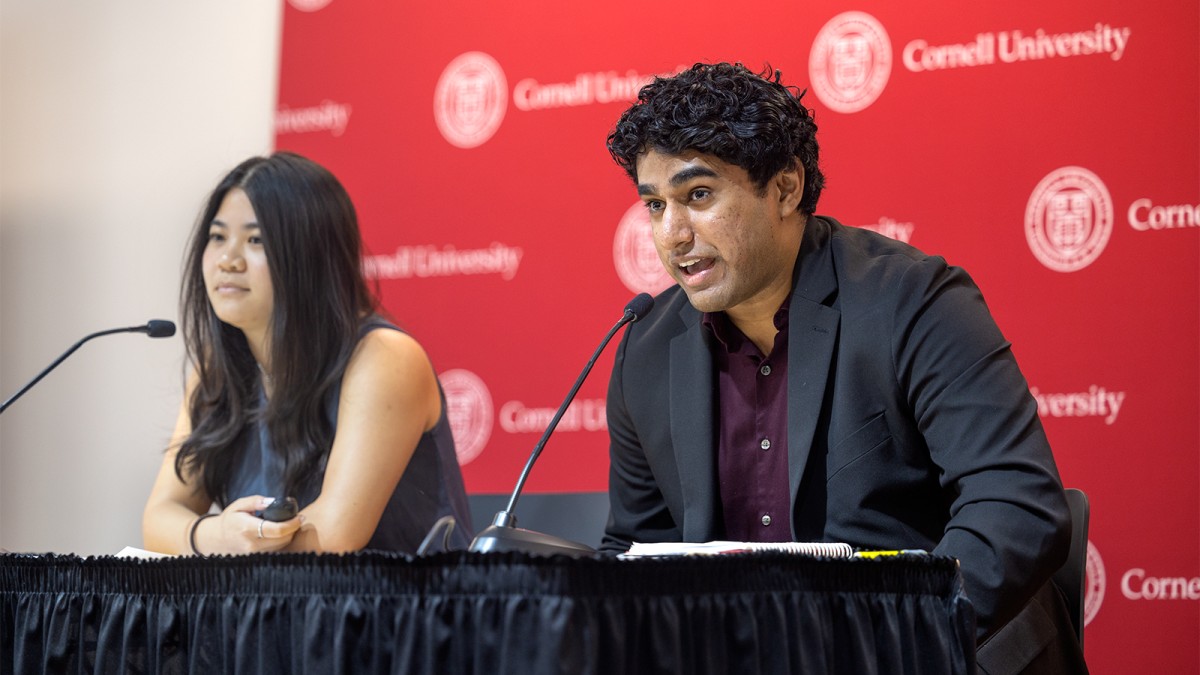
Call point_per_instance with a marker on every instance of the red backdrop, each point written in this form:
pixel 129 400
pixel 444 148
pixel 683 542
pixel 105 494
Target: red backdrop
pixel 1051 149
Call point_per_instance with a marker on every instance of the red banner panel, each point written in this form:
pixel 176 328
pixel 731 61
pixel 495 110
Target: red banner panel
pixel 1051 149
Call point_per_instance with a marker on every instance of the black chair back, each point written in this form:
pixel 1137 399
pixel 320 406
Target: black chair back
pixel 1072 576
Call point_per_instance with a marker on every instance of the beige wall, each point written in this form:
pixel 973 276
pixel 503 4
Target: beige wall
pixel 116 118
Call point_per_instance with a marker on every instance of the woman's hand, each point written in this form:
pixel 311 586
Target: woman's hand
pixel 238 530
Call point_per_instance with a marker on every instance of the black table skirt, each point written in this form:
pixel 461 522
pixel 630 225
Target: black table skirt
pixel 483 613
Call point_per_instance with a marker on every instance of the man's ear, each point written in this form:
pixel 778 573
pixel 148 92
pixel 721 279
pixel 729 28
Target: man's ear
pixel 791 189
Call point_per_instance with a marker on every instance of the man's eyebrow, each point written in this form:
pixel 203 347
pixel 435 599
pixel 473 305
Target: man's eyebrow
pixel 680 178
pixel 690 173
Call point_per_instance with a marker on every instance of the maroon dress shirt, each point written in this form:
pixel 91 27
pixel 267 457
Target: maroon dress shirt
pixel 752 455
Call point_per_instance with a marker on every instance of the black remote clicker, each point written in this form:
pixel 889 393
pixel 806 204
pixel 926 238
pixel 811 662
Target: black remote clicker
pixel 283 508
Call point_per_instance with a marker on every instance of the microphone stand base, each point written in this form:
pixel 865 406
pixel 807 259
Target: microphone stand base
pixel 499 538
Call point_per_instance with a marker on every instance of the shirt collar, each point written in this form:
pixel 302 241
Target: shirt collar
pixel 730 336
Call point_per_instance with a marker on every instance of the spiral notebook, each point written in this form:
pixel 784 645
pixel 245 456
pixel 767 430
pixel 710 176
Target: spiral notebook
pixel 817 548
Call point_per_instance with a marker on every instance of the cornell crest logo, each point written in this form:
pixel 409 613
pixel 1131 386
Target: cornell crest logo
pixel 850 62
pixel 634 256
pixel 1069 219
pixel 470 100
pixel 309 5
pixel 1094 587
pixel 469 409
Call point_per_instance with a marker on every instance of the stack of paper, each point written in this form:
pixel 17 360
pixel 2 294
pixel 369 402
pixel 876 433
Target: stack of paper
pixel 827 549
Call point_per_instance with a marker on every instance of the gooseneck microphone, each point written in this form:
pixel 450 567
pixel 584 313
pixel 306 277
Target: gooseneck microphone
pixel 503 534
pixel 155 328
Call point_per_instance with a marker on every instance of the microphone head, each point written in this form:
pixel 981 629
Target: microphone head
pixel 159 328
pixel 639 306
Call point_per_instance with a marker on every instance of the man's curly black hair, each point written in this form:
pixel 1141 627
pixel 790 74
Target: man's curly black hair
pixel 726 110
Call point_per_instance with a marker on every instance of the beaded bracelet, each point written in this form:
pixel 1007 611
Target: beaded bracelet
pixel 192 532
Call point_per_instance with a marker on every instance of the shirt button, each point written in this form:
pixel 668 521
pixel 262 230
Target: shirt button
pixel 766 444
pixel 765 370
pixel 766 520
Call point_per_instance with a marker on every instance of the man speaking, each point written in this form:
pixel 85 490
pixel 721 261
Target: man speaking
pixel 806 381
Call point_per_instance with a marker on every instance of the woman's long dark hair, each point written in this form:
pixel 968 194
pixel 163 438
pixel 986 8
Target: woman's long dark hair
pixel 314 250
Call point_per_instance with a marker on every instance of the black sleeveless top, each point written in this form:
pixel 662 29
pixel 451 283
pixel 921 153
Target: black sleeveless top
pixel 431 486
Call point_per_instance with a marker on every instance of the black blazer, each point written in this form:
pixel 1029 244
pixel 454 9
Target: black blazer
pixel 909 423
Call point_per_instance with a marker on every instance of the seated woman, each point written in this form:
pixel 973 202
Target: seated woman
pixel 298 387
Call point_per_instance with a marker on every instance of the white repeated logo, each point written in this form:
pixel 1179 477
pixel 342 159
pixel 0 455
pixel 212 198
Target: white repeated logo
pixel 329 116
pixel 850 62
pixel 1145 215
pixel 309 5
pixel 1014 46
pixel 1137 585
pixel 1097 402
pixel 636 259
pixel 469 408
pixel 893 229
pixel 1069 219
pixel 448 261
pixel 470 100
pixel 1094 586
